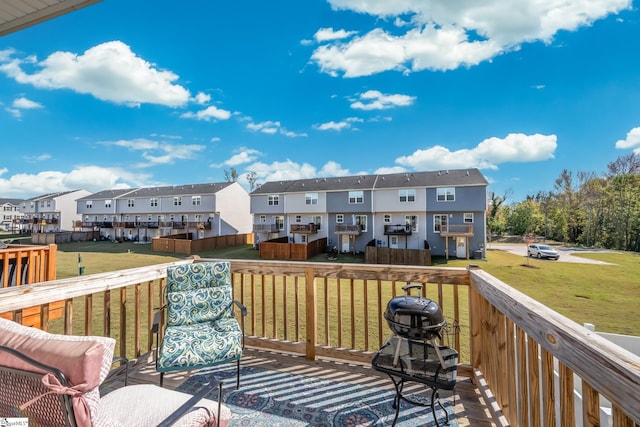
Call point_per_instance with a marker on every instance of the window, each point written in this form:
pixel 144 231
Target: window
pixel 274 200
pixel 408 195
pixel 107 203
pixel 48 203
pixel 298 218
pixel 280 222
pixel 153 201
pixel 440 222
pixel 317 220
pixel 447 194
pixel 356 197
pixel 42 204
pixel 89 204
pixel 387 218
pixel 263 219
pixel 303 238
pixel 177 201
pixel 131 203
pixel 361 220
pixel 412 221
pixel 339 218
pixel 311 198
pixel 196 200
pixel 468 218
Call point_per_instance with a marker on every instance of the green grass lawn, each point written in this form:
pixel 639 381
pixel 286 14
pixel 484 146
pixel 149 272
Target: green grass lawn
pixel 605 295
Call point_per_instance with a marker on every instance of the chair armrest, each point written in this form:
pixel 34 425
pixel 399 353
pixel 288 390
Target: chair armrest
pixel 243 309
pixel 116 372
pixel 189 405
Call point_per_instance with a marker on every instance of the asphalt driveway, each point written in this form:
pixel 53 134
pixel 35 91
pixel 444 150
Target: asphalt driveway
pixel 566 254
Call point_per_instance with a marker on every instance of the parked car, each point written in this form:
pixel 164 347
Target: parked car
pixel 542 251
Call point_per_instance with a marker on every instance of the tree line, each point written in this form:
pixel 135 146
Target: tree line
pixel 583 209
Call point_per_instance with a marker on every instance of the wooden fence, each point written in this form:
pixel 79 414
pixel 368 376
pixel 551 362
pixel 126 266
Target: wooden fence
pixel 26 264
pixel 375 255
pixel 283 250
pixel 182 243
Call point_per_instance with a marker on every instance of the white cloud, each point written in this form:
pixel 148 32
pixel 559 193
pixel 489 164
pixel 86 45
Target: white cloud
pixel 208 114
pixel 391 169
pixel 337 126
pixel 376 100
pixel 272 128
pixel 39 158
pixel 244 155
pixel 25 104
pixel 268 127
pixel 109 71
pixel 632 140
pixel 486 155
pixel 448 35
pixel 325 34
pixel 202 98
pixel 289 169
pixel 90 178
pixel 158 153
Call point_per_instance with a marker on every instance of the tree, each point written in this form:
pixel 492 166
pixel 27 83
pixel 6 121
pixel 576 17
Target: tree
pixel 231 175
pixel 252 177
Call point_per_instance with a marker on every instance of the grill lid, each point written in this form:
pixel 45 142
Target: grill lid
pixel 414 317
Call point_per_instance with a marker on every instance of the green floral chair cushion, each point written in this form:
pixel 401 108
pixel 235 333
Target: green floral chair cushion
pixel 201 330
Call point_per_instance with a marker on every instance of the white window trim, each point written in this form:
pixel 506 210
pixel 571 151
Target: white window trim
pixel 448 194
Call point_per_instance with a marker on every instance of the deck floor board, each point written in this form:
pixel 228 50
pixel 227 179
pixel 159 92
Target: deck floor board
pixel 468 404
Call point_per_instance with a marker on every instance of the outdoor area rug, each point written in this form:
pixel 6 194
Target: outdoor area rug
pixel 272 398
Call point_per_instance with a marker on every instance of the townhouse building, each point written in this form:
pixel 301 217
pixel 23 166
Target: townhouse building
pixel 51 213
pixel 11 219
pixel 440 210
pixel 140 214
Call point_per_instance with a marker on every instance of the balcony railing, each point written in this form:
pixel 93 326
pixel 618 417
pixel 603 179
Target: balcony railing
pixel 527 358
pixel 304 228
pixel 456 230
pixel 397 230
pixel 269 228
pixel 353 229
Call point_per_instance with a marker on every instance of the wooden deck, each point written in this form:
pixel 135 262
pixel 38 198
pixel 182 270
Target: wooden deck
pixel 469 406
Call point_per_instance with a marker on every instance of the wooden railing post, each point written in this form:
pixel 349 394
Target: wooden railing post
pixel 311 309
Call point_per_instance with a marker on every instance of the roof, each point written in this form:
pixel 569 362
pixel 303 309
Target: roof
pixel 19 14
pixel 15 202
pixel 108 194
pixel 171 190
pixel 447 178
pixel 51 195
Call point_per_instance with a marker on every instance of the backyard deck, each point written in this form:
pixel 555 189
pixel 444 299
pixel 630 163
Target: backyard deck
pixel 468 405
pixel 535 366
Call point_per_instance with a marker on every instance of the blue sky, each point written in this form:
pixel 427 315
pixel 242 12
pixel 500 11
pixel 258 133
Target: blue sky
pixel 142 93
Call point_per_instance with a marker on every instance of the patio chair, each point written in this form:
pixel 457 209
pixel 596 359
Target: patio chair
pixel 202 330
pixel 54 380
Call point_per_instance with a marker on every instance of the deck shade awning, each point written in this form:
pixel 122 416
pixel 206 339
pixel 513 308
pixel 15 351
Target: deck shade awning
pixel 19 14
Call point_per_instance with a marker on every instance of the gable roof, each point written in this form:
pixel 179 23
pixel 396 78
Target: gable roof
pixel 50 195
pixel 170 190
pixel 19 14
pixel 448 178
pixel 108 194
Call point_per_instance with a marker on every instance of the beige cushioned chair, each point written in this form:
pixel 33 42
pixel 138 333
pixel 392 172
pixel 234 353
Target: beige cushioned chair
pixel 54 380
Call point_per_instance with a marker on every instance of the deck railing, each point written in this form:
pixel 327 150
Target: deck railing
pixel 526 357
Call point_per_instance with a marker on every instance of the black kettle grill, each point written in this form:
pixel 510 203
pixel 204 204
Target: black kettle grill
pixel 414 317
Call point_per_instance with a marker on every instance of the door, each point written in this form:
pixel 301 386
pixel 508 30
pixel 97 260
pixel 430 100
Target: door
pixel 345 243
pixel 393 242
pixel 461 247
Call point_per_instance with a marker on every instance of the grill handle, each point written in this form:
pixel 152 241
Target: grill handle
pixel 407 288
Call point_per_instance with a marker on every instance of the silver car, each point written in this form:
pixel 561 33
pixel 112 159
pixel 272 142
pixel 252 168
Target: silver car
pixel 542 251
